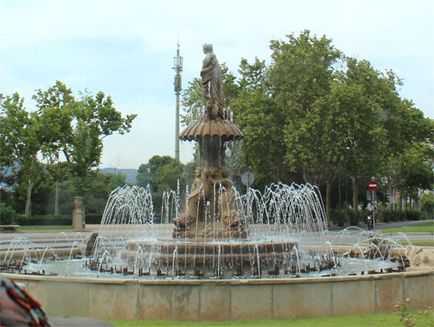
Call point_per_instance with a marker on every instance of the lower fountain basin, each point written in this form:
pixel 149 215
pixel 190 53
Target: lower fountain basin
pixel 205 299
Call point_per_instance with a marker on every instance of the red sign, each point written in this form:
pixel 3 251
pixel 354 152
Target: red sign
pixel 372 185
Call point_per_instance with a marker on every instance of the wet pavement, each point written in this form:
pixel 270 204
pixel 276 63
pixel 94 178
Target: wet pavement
pixel 68 239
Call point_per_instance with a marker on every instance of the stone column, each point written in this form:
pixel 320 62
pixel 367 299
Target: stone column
pixel 78 217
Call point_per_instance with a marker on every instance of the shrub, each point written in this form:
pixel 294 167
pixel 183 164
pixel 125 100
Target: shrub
pixel 7 214
pixel 338 217
pixel 44 220
pixel 386 215
pixel 346 217
pixel 427 203
pixel 93 218
pixel 412 215
pixel 355 217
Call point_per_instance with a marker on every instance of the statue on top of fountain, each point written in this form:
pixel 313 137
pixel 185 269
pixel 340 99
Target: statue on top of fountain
pixel 212 84
pixel 211 205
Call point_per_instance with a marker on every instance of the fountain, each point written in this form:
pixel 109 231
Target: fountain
pixel 264 243
pixel 217 233
pixel 222 254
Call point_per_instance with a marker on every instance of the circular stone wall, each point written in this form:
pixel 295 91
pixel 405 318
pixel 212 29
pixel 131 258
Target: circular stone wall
pixel 228 299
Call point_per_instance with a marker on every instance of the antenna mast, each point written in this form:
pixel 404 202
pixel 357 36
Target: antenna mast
pixel 177 66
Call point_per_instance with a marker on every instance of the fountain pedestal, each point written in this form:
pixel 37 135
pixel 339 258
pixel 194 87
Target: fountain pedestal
pixel 211 211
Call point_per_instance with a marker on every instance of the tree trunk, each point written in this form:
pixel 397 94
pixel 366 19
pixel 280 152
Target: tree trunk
pixel 28 209
pixel 392 197
pixel 355 194
pixel 328 200
pixel 56 198
pixel 400 202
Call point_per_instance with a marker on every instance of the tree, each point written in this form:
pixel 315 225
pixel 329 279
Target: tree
pixel 411 170
pixel 407 163
pixel 261 122
pixel 77 127
pixel 61 124
pixel 96 118
pixel 427 203
pixel 161 173
pixel 301 74
pixel 19 142
pixel 55 107
pixel 366 140
pixel 313 114
pixel 99 187
pixel 85 154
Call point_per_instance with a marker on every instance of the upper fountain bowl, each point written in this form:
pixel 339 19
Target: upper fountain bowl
pixel 217 127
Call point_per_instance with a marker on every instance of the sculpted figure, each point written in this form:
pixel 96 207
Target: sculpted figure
pixel 211 186
pixel 211 210
pixel 211 81
pixel 199 191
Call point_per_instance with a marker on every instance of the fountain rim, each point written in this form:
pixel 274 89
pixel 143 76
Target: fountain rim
pixel 250 281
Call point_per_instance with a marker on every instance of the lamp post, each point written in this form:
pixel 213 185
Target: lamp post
pixel 177 66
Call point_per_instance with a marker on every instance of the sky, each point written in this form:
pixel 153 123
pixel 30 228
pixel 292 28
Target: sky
pixel 126 49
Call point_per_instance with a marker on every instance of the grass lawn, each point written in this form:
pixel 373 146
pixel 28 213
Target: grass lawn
pixel 425 224
pixel 420 242
pixel 383 320
pixel 427 229
pixel 43 228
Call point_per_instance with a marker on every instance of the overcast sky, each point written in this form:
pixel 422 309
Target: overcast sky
pixel 126 49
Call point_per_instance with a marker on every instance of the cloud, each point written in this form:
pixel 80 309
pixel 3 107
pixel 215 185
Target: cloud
pixel 153 133
pixel 126 49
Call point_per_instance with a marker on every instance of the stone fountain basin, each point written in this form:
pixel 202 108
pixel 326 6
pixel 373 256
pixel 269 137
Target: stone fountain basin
pixel 229 299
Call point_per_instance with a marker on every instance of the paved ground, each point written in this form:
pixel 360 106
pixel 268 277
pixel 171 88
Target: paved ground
pixel 55 240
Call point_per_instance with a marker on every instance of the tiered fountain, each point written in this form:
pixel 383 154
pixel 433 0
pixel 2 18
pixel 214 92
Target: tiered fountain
pixel 220 233
pixel 212 235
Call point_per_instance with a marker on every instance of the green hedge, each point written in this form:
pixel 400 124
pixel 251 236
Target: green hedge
pixel 346 217
pixel 93 218
pixel 45 220
pixel 413 215
pixel 7 214
pixel 388 215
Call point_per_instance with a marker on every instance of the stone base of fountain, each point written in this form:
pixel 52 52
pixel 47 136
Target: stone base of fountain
pixel 202 231
pixel 205 259
pixel 246 299
pixel 214 248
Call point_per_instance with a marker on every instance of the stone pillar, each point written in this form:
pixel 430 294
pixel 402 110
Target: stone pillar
pixel 78 217
pixel 212 151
